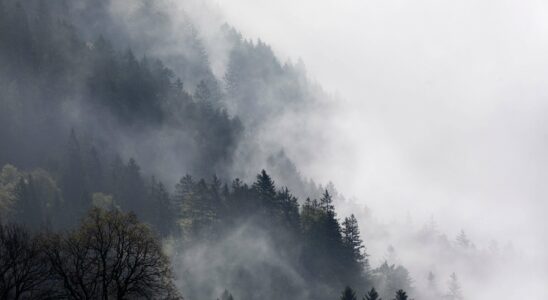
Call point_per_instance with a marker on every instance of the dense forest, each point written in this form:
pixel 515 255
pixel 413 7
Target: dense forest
pixel 122 166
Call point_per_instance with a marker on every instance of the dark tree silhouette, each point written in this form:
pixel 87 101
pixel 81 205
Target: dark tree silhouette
pixel 226 296
pixel 23 273
pixel 111 255
pixel 348 294
pixel 401 295
pixel 372 295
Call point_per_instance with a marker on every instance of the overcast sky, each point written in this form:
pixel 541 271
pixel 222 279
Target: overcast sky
pixel 446 104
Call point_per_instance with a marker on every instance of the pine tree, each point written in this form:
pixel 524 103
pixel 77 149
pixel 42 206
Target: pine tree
pixel 432 286
pixel 348 294
pixel 351 238
pixel 354 258
pixel 455 292
pixel 94 171
pixel 226 296
pixel 390 279
pixel 202 92
pixel 401 295
pixel 160 207
pixel 265 189
pixel 28 207
pixel 184 192
pixel 73 182
pixel 326 202
pixel 290 209
pixel 462 240
pixel 372 295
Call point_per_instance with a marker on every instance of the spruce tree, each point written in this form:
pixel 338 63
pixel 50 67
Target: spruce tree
pixel 401 295
pixel 265 190
pixel 265 187
pixel 73 182
pixel 160 207
pixel 348 294
pixel 372 295
pixel 326 202
pixel 351 238
pixel 226 296
pixel 28 207
pixel 462 240
pixel 455 292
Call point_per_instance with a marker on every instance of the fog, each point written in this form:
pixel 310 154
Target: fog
pixel 425 120
pixel 443 111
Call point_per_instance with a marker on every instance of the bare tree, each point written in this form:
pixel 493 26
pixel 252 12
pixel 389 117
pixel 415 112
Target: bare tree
pixel 111 256
pixel 23 271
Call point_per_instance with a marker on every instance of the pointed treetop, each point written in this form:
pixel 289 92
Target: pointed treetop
pixel 326 202
pixel 348 294
pixel 265 185
pixel 372 295
pixel 401 295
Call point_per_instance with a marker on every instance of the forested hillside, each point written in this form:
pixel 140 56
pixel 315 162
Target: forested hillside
pixel 121 148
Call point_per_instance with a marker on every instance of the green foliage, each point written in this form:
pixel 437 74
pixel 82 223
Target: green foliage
pixel 103 201
pixel 9 177
pixel 111 255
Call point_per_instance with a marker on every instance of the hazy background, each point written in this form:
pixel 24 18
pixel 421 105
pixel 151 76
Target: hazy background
pixel 444 109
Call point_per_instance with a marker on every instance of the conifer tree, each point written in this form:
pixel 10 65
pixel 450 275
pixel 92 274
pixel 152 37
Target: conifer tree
pixel 432 285
pixel 289 208
pixel 265 189
pixel 226 296
pixel 462 240
pixel 401 295
pixel 326 202
pixel 348 294
pixel 351 238
pixel 455 292
pixel 28 207
pixel 372 295
pixel 160 207
pixel 73 181
pixel 184 192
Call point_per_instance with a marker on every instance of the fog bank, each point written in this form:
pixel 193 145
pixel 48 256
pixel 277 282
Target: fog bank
pixel 443 114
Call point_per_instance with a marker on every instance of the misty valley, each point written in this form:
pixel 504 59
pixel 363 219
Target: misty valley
pixel 144 155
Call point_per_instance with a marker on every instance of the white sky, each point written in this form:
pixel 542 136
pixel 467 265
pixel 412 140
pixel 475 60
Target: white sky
pixel 446 104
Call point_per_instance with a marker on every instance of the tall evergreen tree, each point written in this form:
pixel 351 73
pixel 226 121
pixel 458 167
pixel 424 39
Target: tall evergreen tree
pixel 226 296
pixel 28 207
pixel 73 181
pixel 455 292
pixel 432 286
pixel 372 295
pixel 462 240
pixel 94 171
pixel 160 207
pixel 401 295
pixel 265 189
pixel 326 202
pixel 290 209
pixel 348 294
pixel 352 240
